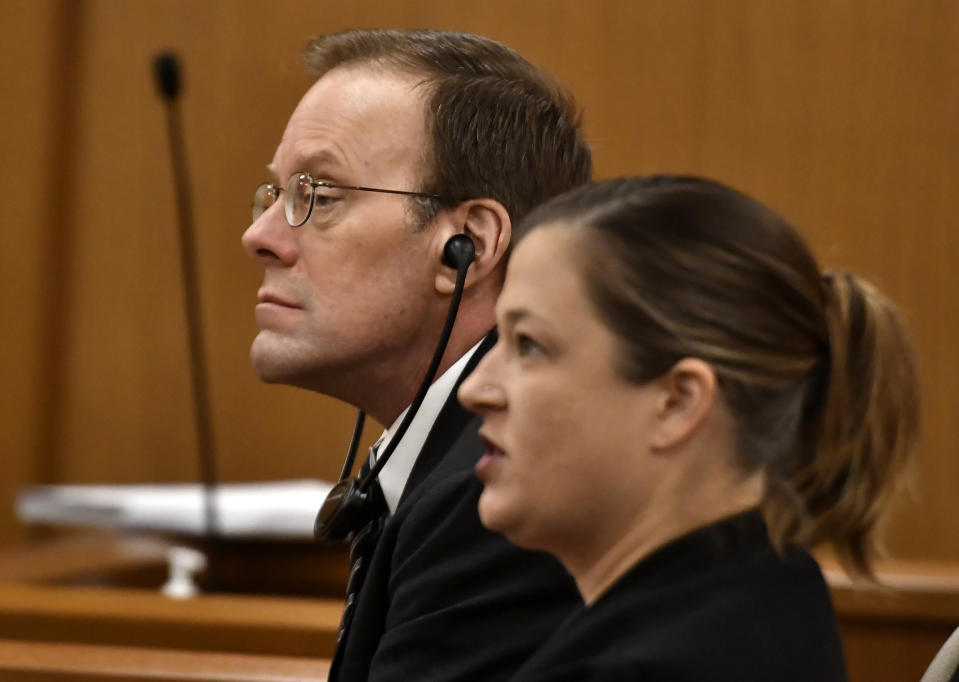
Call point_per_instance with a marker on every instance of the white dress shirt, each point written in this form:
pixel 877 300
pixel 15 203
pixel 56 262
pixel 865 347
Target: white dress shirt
pixel 397 469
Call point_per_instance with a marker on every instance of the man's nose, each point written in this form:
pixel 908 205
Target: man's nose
pixel 270 239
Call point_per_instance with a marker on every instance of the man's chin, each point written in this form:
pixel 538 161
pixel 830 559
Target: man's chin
pixel 279 360
pixel 270 362
pixel 268 373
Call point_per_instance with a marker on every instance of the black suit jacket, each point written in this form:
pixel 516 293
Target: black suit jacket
pixel 444 598
pixel 717 604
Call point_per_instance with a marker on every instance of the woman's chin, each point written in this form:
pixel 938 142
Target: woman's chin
pixel 494 513
pixel 499 516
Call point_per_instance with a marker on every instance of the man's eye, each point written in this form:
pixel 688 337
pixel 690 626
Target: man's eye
pixel 324 197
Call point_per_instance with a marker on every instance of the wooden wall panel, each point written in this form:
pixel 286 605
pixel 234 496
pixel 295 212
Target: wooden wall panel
pixel 30 173
pixel 839 113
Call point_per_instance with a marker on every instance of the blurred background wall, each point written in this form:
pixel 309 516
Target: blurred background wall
pixel 841 114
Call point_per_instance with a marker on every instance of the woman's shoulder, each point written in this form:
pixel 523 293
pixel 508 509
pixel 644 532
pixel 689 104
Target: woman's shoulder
pixel 694 612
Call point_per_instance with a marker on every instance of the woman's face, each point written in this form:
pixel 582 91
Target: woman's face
pixel 566 436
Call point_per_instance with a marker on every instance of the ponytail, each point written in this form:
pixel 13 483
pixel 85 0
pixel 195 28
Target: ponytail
pixel 865 427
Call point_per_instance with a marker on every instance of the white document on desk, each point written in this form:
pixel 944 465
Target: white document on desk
pixel 274 510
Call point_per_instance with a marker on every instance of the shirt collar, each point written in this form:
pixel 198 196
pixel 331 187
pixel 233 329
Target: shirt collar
pixel 394 474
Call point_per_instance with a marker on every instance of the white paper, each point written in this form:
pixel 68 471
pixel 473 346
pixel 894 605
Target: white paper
pixel 281 509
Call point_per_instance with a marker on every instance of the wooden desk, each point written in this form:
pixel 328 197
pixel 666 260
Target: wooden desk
pixel 102 589
pixel 86 608
pixel 88 556
pixel 227 623
pixel 22 661
pixel 139 561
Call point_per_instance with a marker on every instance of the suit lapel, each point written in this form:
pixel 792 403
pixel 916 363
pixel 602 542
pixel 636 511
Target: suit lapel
pixel 449 425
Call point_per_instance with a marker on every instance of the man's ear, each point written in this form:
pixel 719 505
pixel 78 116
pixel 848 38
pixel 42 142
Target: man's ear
pixel 687 395
pixel 487 224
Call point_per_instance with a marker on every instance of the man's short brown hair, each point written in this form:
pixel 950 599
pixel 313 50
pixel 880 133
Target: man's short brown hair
pixel 501 128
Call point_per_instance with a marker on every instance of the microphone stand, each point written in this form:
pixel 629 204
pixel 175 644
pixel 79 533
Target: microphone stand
pixel 168 80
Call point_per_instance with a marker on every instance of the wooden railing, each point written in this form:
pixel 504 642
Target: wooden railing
pixel 63 617
pixel 26 661
pixel 893 630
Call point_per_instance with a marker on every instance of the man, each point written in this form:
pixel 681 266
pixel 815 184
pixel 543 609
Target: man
pixel 447 134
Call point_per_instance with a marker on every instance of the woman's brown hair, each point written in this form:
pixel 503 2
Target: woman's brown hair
pixel 817 369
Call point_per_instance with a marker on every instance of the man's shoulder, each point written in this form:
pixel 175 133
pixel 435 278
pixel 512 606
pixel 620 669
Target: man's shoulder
pixel 442 587
pixel 459 452
pixel 453 444
pixel 455 584
pixel 446 495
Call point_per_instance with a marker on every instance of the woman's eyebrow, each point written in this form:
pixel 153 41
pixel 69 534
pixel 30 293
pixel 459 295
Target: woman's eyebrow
pixel 514 315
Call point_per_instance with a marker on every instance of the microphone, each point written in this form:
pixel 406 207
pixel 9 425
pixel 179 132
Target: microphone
pixel 167 72
pixel 166 69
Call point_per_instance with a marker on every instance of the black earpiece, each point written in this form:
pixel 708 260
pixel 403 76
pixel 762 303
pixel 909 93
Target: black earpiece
pixel 458 251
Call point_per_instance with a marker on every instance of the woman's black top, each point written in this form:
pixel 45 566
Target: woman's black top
pixel 716 604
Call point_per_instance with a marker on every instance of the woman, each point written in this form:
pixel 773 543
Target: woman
pixel 678 403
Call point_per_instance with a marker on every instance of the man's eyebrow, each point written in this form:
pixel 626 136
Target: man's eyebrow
pixel 310 163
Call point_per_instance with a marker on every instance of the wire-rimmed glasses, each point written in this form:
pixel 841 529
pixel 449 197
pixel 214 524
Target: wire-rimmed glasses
pixel 302 193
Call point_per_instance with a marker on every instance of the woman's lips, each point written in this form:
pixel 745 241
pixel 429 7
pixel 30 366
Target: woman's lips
pixel 491 447
pixel 490 459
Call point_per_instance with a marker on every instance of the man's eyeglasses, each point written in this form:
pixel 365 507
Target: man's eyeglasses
pixel 303 192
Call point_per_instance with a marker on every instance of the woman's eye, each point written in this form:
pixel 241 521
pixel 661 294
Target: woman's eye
pixel 526 346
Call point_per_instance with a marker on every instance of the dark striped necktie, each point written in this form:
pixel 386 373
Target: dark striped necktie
pixel 361 551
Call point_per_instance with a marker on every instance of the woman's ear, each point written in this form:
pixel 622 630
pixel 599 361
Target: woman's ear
pixel 487 223
pixel 687 395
